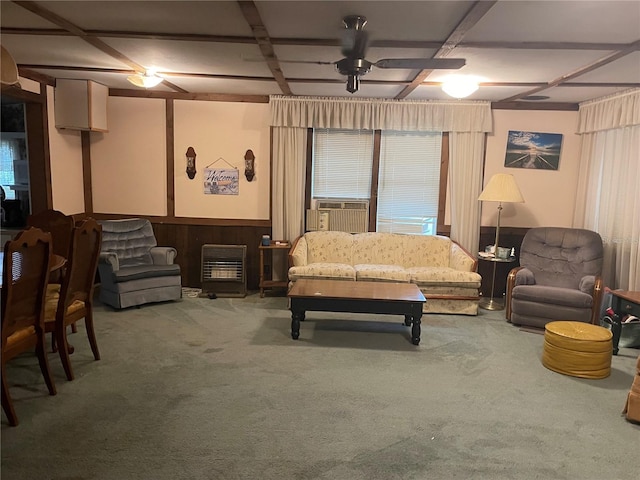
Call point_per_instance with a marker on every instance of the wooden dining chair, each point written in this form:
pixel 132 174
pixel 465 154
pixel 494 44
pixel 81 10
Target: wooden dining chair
pixel 74 301
pixel 58 224
pixel 61 227
pixel 24 280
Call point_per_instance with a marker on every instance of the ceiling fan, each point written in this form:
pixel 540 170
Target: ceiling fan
pixel 354 65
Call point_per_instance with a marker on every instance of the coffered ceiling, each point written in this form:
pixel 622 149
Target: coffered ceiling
pixel 565 51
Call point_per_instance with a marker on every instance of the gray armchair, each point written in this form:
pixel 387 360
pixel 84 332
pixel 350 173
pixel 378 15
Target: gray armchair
pixel 558 277
pixel 133 269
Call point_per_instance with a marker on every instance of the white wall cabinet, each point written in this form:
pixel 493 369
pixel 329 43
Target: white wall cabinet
pixel 81 105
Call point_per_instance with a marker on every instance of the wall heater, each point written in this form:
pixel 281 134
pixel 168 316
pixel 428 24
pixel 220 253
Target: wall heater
pixel 223 270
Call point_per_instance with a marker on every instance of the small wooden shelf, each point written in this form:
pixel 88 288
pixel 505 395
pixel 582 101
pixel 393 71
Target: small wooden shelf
pixel 269 283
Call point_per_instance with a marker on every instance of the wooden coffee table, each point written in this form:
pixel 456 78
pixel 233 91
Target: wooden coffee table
pixel 356 297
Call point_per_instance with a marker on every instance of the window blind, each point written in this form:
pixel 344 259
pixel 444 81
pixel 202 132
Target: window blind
pixel 342 163
pixel 409 182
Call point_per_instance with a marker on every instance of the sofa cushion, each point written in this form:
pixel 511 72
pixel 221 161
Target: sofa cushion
pixel 325 270
pixel 329 247
pixel 378 248
pixel 384 273
pixel 426 251
pixel 444 276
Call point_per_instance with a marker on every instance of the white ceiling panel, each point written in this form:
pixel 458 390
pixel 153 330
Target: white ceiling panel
pixel 605 21
pixel 193 57
pixel 625 69
pixel 14 15
pixel 397 20
pixel 204 17
pixel 57 50
pixel 510 65
pixel 494 94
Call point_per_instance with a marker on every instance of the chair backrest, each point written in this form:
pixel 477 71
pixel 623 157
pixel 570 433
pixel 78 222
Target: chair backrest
pixel 131 239
pixel 78 282
pixel 58 224
pixel 560 257
pixel 24 281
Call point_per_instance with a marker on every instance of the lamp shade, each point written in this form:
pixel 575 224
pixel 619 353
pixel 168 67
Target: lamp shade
pixel 9 69
pixel 502 188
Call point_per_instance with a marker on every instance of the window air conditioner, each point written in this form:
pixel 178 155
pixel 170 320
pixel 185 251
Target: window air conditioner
pixel 348 215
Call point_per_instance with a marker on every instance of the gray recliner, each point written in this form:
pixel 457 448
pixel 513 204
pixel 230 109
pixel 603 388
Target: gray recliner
pixel 558 277
pixel 133 269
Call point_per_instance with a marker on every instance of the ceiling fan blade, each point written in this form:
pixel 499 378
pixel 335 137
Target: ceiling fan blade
pixel 422 63
pixel 313 62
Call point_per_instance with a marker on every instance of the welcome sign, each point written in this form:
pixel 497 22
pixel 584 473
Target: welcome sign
pixel 221 181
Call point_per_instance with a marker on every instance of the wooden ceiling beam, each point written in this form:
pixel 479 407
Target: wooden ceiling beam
pixel 477 11
pixel 252 16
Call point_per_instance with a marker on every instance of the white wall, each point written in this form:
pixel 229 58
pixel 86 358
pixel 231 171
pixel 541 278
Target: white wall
pixel 549 194
pixel 221 133
pixel 128 163
pixel 65 149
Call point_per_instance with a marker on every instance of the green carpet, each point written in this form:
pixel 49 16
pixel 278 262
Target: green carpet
pixel 217 389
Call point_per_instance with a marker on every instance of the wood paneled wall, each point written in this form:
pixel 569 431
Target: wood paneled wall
pixel 189 239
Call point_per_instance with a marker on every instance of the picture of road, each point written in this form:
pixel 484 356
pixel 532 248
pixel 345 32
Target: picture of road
pixel 533 150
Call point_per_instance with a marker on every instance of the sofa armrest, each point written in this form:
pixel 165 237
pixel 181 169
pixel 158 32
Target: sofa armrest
pixel 111 259
pixel 298 253
pixel 460 259
pixel 163 255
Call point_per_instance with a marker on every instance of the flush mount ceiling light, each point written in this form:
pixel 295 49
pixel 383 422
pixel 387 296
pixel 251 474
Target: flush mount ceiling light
pixel 459 86
pixel 145 80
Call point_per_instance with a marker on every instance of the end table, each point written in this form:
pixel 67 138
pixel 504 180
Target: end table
pixel 270 283
pixel 491 303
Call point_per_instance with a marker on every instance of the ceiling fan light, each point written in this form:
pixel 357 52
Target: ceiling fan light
pixel 459 87
pixel 144 80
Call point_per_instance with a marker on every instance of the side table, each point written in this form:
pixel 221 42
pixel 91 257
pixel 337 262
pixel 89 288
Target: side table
pixel 491 303
pixel 623 302
pixel 270 283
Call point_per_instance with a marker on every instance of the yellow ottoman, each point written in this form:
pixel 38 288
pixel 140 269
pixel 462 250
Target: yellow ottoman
pixel 577 349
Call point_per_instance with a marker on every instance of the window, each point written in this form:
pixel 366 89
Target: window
pixel 408 183
pixel 342 163
pixel 9 156
pixel 406 193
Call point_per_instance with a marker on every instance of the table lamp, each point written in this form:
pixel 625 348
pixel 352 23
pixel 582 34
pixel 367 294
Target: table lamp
pixel 502 188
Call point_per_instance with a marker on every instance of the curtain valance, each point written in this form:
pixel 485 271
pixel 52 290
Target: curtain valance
pixel 618 111
pixel 380 114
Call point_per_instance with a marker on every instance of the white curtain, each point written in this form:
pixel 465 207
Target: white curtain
pixel 300 113
pixel 608 198
pixel 289 155
pixel 466 151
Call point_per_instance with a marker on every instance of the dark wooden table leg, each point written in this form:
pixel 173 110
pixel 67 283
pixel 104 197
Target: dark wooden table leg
pixel 415 329
pixel 296 316
pixel 407 320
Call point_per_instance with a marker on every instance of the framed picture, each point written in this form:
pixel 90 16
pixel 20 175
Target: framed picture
pixel 533 150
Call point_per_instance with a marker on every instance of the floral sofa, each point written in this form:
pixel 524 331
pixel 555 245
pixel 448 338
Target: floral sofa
pixel 443 270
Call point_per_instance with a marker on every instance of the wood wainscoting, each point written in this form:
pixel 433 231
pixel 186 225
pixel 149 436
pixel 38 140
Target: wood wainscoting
pixel 187 235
